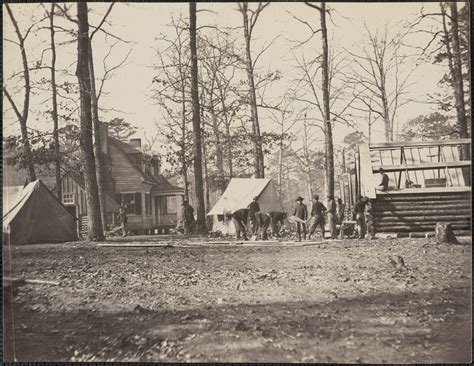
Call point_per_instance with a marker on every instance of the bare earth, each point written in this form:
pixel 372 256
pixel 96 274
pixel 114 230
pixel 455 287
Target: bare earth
pixel 341 301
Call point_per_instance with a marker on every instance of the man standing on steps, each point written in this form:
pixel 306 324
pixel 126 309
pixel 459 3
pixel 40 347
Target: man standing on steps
pixel 253 208
pixel 300 212
pixel 317 211
pixel 332 217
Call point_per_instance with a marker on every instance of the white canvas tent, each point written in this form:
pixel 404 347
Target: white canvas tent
pixel 239 193
pixel 32 214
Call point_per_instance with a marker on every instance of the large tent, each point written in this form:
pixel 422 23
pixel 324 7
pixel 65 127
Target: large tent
pixel 239 193
pixel 32 214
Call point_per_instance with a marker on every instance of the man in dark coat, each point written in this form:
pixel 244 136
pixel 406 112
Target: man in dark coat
pixel 340 211
pixel 277 221
pixel 300 212
pixel 332 217
pixel 188 217
pixel 383 185
pixel 253 208
pixel 240 218
pixel 317 211
pixel 263 222
pixel 359 213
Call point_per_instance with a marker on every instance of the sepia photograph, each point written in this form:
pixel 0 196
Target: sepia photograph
pixel 216 182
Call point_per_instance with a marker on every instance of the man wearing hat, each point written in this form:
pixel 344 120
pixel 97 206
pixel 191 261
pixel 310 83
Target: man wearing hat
pixel 188 217
pixel 383 186
pixel 317 211
pixel 300 212
pixel 253 208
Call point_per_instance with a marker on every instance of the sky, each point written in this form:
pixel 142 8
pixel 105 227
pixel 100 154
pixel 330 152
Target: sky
pixel 129 90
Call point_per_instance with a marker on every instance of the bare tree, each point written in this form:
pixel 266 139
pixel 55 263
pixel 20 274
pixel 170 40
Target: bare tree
pixel 23 116
pixel 379 80
pixel 201 218
pixel 173 96
pixel 99 164
pixel 95 230
pixel 456 70
pixel 249 24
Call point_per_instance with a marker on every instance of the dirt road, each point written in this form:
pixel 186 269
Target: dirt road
pixel 342 301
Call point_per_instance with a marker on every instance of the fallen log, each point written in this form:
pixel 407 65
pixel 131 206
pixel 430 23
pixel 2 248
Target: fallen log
pixel 22 281
pixel 401 217
pixel 423 197
pixel 426 204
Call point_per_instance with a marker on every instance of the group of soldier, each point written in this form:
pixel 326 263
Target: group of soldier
pixel 261 222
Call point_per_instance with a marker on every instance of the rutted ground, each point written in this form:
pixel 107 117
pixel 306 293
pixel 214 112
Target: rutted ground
pixel 341 301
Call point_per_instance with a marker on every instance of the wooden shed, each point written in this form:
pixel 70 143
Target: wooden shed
pixel 429 182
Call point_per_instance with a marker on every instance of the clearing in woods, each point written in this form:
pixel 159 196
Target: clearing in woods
pixel 342 301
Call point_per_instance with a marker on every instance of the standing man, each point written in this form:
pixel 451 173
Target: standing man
pixel 277 222
pixel 383 186
pixel 253 208
pixel 332 217
pixel 301 212
pixel 122 216
pixel 240 218
pixel 188 217
pixel 359 213
pixel 340 211
pixel 317 211
pixel 263 221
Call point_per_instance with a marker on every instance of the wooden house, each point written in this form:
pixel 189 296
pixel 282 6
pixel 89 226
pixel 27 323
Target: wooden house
pixel 152 203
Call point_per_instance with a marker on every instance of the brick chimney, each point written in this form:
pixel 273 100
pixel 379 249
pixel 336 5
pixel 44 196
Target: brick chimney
pixel 136 143
pixel 155 165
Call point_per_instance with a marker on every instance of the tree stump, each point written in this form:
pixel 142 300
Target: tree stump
pixel 444 234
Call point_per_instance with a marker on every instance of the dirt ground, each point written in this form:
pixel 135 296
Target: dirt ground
pixel 340 301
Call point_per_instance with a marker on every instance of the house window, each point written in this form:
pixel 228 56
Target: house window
pixel 68 198
pixel 147 204
pixel 131 201
pixel 172 204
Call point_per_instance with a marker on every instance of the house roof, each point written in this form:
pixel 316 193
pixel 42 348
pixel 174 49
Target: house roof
pixel 160 183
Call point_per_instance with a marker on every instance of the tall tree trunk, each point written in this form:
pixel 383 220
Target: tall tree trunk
pixel 227 136
pixel 57 156
pixel 257 140
pixel 84 80
pixel 204 158
pixel 280 158
pixel 219 152
pixel 23 117
pixel 458 79
pixel 201 218
pixel 328 142
pixel 184 164
pixel 99 166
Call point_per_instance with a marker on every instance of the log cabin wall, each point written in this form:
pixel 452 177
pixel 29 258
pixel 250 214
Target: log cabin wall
pixel 439 190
